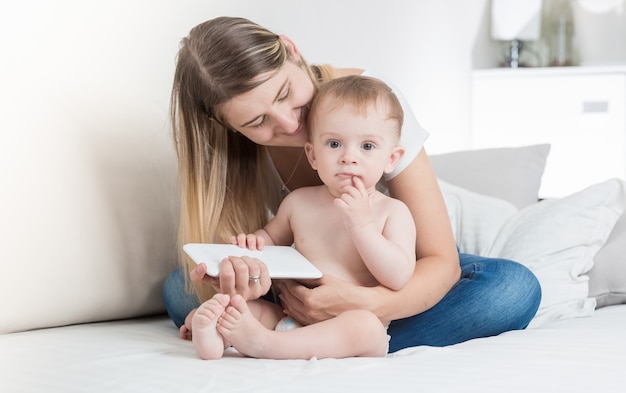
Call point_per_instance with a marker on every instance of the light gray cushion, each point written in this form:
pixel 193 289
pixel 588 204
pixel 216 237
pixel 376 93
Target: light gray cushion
pixel 510 173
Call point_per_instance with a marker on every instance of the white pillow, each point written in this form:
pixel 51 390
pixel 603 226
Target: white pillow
pixel 557 240
pixel 476 219
pixel 607 279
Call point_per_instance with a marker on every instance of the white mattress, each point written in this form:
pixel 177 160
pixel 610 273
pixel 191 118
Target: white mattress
pixel 145 355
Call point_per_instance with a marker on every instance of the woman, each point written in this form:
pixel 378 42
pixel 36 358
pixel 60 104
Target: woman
pixel 239 106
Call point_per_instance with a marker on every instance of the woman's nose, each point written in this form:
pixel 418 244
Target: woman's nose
pixel 288 120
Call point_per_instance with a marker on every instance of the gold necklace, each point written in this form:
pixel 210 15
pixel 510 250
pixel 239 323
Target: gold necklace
pixel 293 171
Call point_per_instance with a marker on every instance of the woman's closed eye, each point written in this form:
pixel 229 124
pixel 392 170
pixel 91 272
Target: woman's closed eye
pixel 285 95
pixel 260 123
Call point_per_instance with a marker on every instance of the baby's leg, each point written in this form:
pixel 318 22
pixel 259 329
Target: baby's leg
pixel 208 342
pixel 353 333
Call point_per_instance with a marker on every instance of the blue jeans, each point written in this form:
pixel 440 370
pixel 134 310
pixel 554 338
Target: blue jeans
pixel 493 296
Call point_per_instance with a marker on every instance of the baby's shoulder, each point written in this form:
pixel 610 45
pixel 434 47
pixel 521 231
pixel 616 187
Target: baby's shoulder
pixel 303 194
pixel 392 205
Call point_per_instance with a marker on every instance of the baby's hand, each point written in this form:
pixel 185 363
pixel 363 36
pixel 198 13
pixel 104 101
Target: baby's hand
pixel 355 205
pixel 250 241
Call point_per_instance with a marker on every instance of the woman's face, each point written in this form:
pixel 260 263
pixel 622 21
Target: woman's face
pixel 274 113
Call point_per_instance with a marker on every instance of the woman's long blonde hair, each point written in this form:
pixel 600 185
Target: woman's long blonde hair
pixel 227 182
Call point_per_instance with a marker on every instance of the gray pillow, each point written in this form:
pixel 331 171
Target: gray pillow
pixel 509 173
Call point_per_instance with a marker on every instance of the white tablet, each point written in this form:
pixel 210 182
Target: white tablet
pixel 281 261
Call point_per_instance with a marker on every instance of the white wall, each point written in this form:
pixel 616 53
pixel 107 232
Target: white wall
pixel 425 46
pixel 87 170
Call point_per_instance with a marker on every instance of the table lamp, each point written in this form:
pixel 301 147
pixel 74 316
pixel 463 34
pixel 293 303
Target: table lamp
pixel 515 21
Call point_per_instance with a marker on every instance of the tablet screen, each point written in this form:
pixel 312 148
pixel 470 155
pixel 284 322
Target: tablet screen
pixel 281 261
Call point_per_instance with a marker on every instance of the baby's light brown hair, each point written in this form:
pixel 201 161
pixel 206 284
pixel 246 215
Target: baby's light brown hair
pixel 358 91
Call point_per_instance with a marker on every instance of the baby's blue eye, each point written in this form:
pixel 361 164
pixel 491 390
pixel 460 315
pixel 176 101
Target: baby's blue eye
pixel 368 146
pixel 333 144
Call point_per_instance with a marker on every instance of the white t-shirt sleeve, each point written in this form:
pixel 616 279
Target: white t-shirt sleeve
pixel 413 135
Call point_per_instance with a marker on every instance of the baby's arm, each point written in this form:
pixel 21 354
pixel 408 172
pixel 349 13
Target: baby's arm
pixel 276 232
pixel 390 255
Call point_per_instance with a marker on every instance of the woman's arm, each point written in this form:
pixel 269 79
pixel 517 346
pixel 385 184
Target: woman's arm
pixel 436 270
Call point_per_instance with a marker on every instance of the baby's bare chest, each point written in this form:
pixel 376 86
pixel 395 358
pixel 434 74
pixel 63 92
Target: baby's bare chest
pixel 321 236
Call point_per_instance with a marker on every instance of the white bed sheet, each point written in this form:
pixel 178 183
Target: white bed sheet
pixel 145 355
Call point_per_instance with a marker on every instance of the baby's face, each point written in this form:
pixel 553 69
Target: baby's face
pixel 347 143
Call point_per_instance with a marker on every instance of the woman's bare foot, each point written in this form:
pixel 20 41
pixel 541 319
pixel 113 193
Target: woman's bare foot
pixel 243 330
pixel 208 342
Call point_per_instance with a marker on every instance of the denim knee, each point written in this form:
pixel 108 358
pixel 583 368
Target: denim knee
pixel 526 288
pixel 178 301
pixel 511 289
pixel 493 296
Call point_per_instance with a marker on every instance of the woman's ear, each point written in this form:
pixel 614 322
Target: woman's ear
pixel 394 159
pixel 291 46
pixel 310 154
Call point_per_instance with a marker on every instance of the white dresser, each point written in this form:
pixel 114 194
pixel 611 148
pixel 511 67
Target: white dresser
pixel 580 111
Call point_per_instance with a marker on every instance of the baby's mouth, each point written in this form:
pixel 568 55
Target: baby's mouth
pixel 346 175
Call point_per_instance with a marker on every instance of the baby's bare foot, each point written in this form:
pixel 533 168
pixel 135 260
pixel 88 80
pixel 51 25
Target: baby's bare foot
pixel 244 332
pixel 208 342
